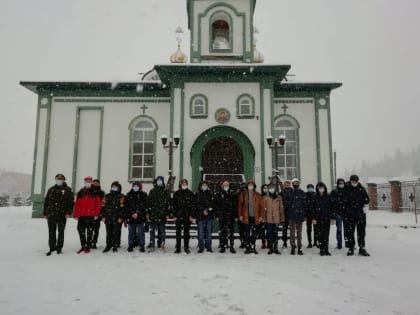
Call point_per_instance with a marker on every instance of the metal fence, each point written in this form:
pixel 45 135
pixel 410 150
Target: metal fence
pixel 384 196
pixel 410 195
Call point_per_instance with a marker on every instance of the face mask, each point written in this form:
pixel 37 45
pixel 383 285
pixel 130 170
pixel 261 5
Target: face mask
pixel 251 187
pixel 184 187
pixel 136 188
pixel 59 182
pixel 340 185
pixel 159 183
pixel 295 186
pixel 354 184
pixel 271 190
pixel 226 188
pixel 265 190
pixel 88 185
pixel 321 190
pixel 311 190
pixel 114 188
pixel 204 188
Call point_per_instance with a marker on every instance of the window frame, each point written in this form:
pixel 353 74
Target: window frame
pixel 192 106
pixel 239 114
pixel 221 15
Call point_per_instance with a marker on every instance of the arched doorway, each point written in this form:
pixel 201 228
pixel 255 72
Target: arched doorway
pixel 222 150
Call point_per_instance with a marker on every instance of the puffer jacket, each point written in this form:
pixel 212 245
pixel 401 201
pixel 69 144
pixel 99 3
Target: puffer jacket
pixel 324 208
pixel 113 207
pixel 204 202
pixel 88 203
pixel 136 202
pixel 183 204
pixel 296 205
pixel 356 199
pixel 225 204
pixel 158 205
pixel 273 209
pixel 58 201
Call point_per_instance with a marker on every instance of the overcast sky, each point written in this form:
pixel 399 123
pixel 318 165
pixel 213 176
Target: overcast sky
pixel 372 47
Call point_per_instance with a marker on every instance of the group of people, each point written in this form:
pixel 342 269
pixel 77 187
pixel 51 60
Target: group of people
pixel 253 214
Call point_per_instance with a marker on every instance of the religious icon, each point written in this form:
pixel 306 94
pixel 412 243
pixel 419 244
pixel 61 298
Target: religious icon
pixel 222 116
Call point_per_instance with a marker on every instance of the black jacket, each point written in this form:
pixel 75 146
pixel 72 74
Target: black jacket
pixel 183 204
pixel 339 200
pixel 323 208
pixel 226 205
pixel 357 198
pixel 113 207
pixel 295 205
pixel 58 202
pixel 310 205
pixel 136 202
pixel 158 204
pixel 203 202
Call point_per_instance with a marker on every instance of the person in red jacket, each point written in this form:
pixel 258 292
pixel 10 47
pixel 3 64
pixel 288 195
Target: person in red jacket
pixel 86 210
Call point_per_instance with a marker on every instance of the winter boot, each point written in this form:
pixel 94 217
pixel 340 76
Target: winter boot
pixel 187 250
pixel 59 251
pixel 49 252
pixel 284 244
pixel 300 252
pixel 327 253
pixel 242 245
pixel 107 249
pixel 293 251
pixel 309 245
pixel 263 245
pixel 247 250
pixel 270 248
pixel 200 250
pixel 350 252
pixel 142 249
pixel 130 249
pixel 363 252
pixel 254 250
pixel 222 249
pixel 115 249
pixel 81 250
pixel 232 250
pixel 177 250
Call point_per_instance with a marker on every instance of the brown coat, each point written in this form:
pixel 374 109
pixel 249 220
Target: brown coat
pixel 273 210
pixel 243 207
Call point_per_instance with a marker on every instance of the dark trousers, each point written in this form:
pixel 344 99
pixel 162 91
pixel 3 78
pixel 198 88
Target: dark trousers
pixel 160 227
pixel 261 230
pixel 309 228
pixel 56 225
pixel 183 225
pixel 227 232
pixel 250 233
pixel 272 234
pixel 85 229
pixel 324 234
pixel 96 227
pixel 136 232
pixel 113 234
pixel 350 225
pixel 339 224
pixel 284 232
pixel 241 229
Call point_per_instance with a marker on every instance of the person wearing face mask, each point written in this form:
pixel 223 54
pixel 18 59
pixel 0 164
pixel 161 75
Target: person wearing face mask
pixel 58 207
pixel 324 217
pixel 338 198
pixel 87 209
pixel 355 217
pixel 97 222
pixel 310 216
pixel 287 188
pixel 274 215
pixel 225 206
pixel 204 208
pixel 113 215
pixel 296 207
pixel 250 212
pixel 261 228
pixel 137 215
pixel 158 204
pixel 183 206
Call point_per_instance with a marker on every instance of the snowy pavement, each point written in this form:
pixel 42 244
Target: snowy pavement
pixel 166 283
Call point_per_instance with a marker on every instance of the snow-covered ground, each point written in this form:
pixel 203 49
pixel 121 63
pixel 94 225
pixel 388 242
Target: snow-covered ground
pixel 166 283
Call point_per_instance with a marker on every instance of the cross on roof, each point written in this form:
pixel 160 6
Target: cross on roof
pixel 144 107
pixel 284 107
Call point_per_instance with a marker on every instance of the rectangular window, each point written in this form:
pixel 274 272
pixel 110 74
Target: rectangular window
pixel 142 158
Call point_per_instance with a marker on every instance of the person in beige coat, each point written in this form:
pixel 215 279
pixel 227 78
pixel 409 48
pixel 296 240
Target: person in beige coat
pixel 273 216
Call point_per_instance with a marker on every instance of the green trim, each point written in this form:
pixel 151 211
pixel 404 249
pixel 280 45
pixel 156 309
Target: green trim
pixel 262 142
pixel 211 49
pixel 318 142
pixel 206 106
pixel 111 100
pixel 131 126
pixel 238 112
pixel 37 206
pixel 222 131
pixel 297 126
pixel 46 146
pixel 76 142
pixel 181 145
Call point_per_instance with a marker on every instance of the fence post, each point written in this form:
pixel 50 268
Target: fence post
pixel 415 203
pixel 396 195
pixel 373 196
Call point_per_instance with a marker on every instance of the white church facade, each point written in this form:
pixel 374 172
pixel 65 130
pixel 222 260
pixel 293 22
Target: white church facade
pixel 222 106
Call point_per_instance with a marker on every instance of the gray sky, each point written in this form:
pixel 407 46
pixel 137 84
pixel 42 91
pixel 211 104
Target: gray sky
pixel 373 47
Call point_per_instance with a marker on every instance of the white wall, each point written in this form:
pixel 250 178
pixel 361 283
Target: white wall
pixel 325 148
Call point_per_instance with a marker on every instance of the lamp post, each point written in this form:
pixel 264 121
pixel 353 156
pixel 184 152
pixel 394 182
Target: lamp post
pixel 171 146
pixel 275 147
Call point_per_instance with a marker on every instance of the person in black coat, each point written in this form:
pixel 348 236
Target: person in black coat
pixel 183 206
pixel 225 204
pixel 113 214
pixel 354 216
pixel 58 207
pixel 136 214
pixel 324 217
pixel 338 198
pixel 204 215
pixel 285 225
pixel 261 228
pixel 310 216
pixel 97 222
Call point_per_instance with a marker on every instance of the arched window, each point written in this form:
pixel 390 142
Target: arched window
pixel 288 155
pixel 221 31
pixel 199 106
pixel 142 159
pixel 245 106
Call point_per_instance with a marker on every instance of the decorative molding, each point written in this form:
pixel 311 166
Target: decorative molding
pixel 112 100
pixel 293 101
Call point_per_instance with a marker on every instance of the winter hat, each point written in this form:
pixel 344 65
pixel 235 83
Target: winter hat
pixel 88 179
pixel 160 178
pixel 354 178
pixel 309 185
pixel 116 183
pixel 60 176
pixel 136 183
pixel 295 180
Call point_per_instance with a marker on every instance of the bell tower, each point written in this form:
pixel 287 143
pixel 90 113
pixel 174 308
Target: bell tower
pixel 221 31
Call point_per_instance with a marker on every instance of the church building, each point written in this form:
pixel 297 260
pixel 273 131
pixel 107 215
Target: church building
pixel 210 115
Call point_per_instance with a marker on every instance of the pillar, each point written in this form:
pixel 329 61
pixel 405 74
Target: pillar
pixel 373 196
pixel 396 196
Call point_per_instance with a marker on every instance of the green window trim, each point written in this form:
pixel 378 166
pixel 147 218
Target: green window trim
pixel 206 106
pixel 239 115
pixel 131 128
pixel 230 23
